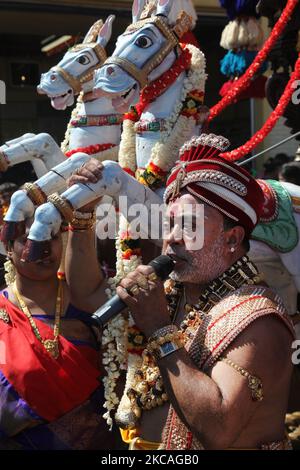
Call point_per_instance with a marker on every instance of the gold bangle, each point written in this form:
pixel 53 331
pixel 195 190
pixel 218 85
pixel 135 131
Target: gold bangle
pixel 165 341
pixel 170 338
pixel 163 332
pixel 63 206
pixel 34 192
pixel 78 215
pixel 82 221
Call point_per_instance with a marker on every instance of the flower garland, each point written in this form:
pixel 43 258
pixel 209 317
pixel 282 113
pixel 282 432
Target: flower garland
pixel 178 126
pixel 246 79
pixel 115 334
pixel 260 135
pixel 121 334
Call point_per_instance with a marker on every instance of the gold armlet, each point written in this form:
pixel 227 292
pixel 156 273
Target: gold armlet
pixel 254 383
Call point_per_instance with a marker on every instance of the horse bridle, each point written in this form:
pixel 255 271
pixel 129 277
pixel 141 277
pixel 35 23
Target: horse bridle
pixel 141 74
pixel 77 82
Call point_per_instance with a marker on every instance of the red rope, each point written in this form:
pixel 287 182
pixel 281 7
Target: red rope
pixel 246 79
pixel 161 84
pixel 260 135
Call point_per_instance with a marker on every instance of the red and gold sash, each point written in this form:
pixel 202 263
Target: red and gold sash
pixel 220 328
pixel 51 387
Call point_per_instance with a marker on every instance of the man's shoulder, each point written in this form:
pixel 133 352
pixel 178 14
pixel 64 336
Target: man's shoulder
pixel 235 315
pixel 250 301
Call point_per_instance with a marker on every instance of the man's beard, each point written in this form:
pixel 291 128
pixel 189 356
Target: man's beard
pixel 203 266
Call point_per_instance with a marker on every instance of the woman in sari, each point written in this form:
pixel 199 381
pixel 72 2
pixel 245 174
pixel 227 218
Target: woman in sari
pixel 50 378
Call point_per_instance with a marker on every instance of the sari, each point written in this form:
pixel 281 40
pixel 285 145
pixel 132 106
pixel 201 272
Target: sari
pixel 47 403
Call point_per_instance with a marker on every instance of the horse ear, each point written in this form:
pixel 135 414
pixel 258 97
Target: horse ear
pixel 164 7
pixel 137 8
pixel 93 32
pixel 105 32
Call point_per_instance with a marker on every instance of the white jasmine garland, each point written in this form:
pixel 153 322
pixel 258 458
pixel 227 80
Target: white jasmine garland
pixel 124 413
pixel 163 154
pixel 127 152
pixel 115 334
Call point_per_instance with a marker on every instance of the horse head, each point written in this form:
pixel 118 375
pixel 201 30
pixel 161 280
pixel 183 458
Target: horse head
pixel 74 72
pixel 147 48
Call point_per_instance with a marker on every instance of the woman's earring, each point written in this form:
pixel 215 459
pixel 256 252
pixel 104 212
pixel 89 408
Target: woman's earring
pixel 232 249
pixel 10 272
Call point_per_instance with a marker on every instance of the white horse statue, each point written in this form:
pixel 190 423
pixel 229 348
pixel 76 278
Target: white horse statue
pixel 73 75
pixel 149 64
pixel 94 128
pixel 137 61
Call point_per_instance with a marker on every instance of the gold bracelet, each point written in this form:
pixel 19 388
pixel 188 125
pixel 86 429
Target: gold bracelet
pixel 162 332
pixel 165 341
pixel 82 221
pixel 84 215
pixel 73 227
pixel 63 206
pixel 34 192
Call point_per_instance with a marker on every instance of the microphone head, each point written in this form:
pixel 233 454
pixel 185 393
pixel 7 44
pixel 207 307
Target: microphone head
pixel 163 265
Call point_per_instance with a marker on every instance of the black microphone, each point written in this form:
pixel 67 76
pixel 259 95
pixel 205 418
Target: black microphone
pixel 162 265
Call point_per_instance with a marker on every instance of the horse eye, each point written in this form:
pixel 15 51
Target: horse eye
pixel 83 60
pixel 144 42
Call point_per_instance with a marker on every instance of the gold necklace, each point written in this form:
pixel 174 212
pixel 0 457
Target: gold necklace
pixel 51 345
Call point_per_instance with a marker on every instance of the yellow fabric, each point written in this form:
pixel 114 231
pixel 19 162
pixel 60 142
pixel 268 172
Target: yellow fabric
pixel 130 437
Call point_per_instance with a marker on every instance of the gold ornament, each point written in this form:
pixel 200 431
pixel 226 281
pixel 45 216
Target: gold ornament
pixel 51 345
pixel 4 315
